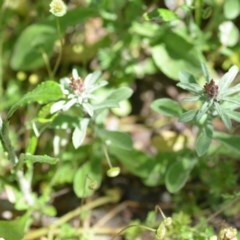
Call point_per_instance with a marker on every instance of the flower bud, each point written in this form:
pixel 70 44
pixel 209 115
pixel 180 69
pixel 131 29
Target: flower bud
pixel 113 172
pixel 58 8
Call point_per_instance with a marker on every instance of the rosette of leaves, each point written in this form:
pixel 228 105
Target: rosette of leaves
pixel 218 99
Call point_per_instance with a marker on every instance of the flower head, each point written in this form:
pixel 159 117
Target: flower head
pixel 79 92
pixel 218 99
pixel 58 8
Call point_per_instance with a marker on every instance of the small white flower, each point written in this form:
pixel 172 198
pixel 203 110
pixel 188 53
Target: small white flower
pixel 58 8
pixel 79 92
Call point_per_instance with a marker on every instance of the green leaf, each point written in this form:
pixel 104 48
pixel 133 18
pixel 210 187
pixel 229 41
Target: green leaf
pixel 226 80
pixel 13 229
pixel 177 175
pixel 188 116
pixel 145 29
pixel 114 138
pixel 88 108
pixel 34 40
pixel 192 99
pixel 204 140
pixel 186 77
pixel 42 36
pixel 114 98
pixel 45 92
pixel 231 102
pixel 231 91
pixel 38 158
pixel 155 176
pixel 162 14
pixel 172 58
pixel 233 114
pixel 230 140
pixel 192 87
pixel 91 79
pixel 221 112
pixel 167 107
pixel 87 178
pixel 120 94
pixel 205 72
pixel 63 121
pixel 80 132
pixel 75 16
pixel 204 108
pixel 123 110
pixel 64 174
pixel 136 162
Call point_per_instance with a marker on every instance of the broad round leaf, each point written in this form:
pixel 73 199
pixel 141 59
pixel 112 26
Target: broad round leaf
pixel 114 138
pixel 172 58
pixel 176 176
pixel 88 174
pixel 32 43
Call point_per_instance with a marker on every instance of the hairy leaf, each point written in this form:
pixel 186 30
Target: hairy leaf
pixel 45 92
pixel 167 107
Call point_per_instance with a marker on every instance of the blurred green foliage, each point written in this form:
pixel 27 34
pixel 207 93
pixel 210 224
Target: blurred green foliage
pixel 61 133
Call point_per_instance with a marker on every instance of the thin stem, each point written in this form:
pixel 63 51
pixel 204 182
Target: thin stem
pixel 134 225
pixel 47 64
pixel 1 68
pixel 5 140
pixel 198 12
pixel 225 207
pixel 24 183
pixel 1 51
pixel 107 156
pixel 60 47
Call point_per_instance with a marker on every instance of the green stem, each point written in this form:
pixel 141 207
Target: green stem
pixel 5 140
pixel 24 183
pixel 224 208
pixel 1 51
pixel 198 12
pixel 107 156
pixel 51 72
pixel 60 47
pixel 47 64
